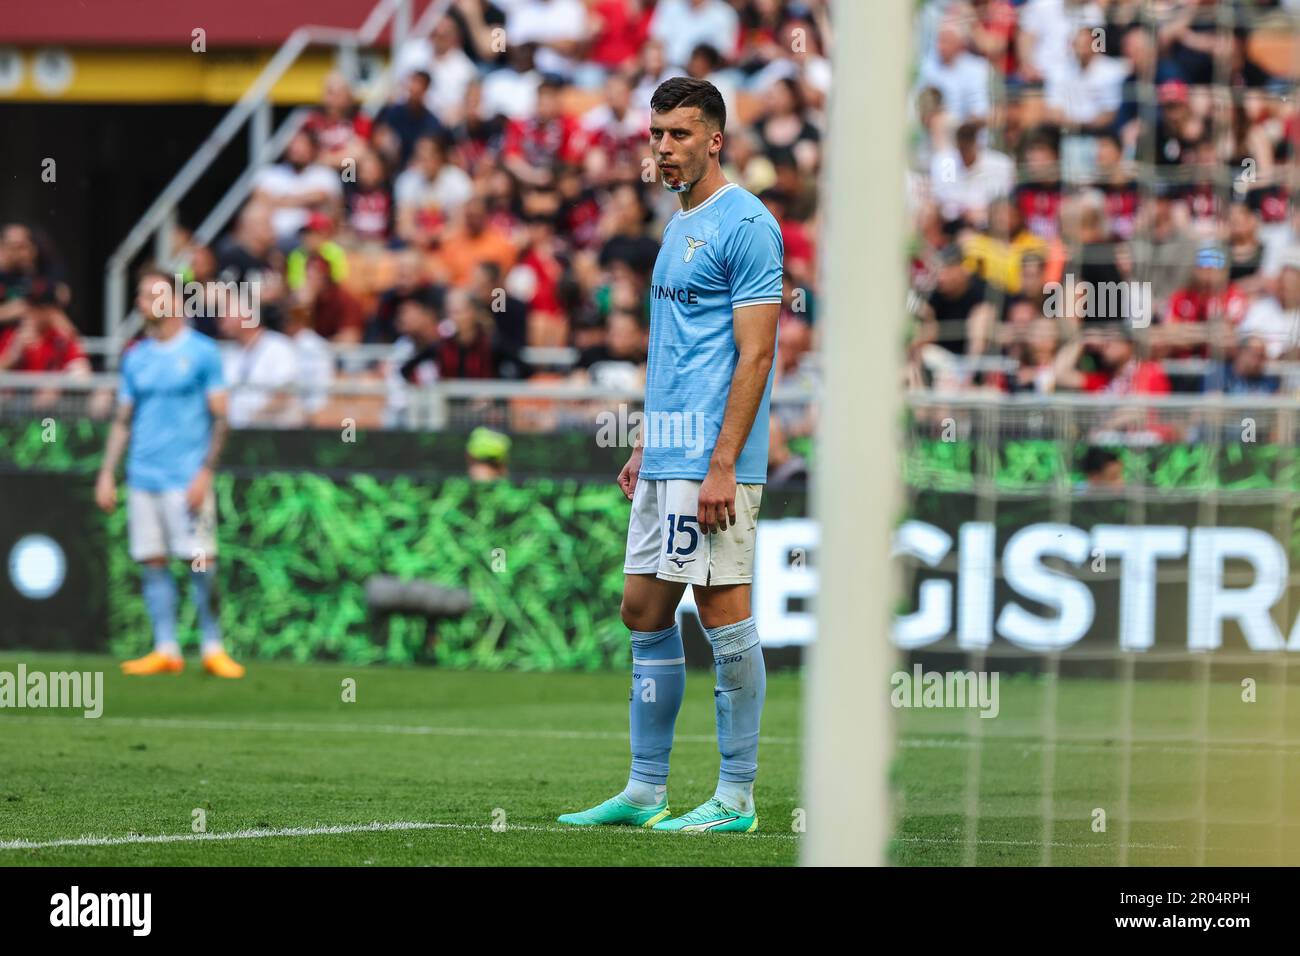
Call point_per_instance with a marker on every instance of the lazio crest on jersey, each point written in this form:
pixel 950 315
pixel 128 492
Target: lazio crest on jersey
pixel 721 255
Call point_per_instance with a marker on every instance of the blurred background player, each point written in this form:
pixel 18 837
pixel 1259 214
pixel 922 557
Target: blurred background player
pixel 171 415
pixel 695 489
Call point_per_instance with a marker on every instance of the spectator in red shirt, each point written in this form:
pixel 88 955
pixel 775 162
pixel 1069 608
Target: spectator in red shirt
pixel 993 34
pixel 26 260
pixel 368 202
pixel 44 340
pixel 1120 372
pixel 463 347
pixel 1209 298
pixel 1118 368
pixel 539 269
pixel 1039 195
pixel 619 28
pixel 536 144
pixel 341 130
pixel 615 132
pixel 478 137
pixel 335 313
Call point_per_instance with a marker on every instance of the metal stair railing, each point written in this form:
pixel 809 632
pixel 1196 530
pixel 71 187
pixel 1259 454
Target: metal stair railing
pixel 253 108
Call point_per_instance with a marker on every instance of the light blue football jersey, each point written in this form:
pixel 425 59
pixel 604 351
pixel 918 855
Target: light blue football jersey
pixel 725 253
pixel 167 385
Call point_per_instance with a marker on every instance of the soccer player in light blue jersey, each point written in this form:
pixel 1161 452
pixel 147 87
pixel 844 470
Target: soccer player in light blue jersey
pixel 696 474
pixel 171 422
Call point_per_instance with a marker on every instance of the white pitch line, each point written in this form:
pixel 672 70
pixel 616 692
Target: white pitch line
pixel 913 741
pixel 185 723
pixel 958 841
pixel 1088 746
pixel 262 834
pixel 407 825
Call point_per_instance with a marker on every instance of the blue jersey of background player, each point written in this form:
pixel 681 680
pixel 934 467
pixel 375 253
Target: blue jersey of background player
pixel 696 477
pixel 171 422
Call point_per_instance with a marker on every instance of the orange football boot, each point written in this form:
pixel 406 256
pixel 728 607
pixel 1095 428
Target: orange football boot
pixel 153 663
pixel 221 664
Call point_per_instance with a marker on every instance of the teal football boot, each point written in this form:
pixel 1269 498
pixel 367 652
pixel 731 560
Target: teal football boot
pixel 618 810
pixel 713 816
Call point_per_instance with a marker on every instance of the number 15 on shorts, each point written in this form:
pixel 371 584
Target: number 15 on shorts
pixel 682 527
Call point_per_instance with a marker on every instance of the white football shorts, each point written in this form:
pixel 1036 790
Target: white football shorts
pixel 160 525
pixel 664 538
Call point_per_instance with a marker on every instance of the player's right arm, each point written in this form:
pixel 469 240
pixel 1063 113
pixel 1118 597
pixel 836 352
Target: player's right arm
pixel 119 434
pixel 628 476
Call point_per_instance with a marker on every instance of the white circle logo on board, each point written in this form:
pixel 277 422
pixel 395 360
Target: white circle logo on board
pixel 11 69
pixel 37 566
pixel 52 71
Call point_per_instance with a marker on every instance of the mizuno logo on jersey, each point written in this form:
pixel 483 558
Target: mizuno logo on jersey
pixel 691 246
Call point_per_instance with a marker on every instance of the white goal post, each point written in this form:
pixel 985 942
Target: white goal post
pixel 848 725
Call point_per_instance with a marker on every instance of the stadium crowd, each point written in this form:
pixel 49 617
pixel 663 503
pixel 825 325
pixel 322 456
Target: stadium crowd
pixel 500 201
pixel 1101 193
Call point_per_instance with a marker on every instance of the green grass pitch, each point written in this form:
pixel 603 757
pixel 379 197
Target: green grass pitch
pixel 419 769
pixel 280 750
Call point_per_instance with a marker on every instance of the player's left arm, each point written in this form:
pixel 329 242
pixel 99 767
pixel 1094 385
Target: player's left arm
pixel 755 332
pixel 215 387
pixel 754 254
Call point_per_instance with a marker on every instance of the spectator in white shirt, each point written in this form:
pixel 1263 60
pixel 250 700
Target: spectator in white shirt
pixel 961 76
pixel 429 185
pixel 1276 319
pixel 558 27
pixel 444 59
pixel 652 69
pixel 615 119
pixel 1045 29
pixel 682 25
pixel 1087 88
pixel 261 371
pixel 296 187
pixel 966 178
pixel 512 90
pixel 315 361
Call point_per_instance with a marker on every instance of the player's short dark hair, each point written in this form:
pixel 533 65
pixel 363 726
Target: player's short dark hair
pixel 684 91
pixel 152 269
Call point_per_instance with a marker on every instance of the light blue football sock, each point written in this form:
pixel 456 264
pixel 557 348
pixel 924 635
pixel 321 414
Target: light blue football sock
pixel 738 706
pixel 160 599
pixel 658 684
pixel 201 587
